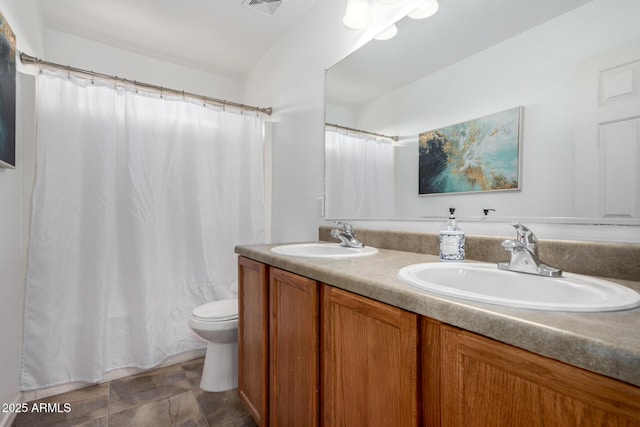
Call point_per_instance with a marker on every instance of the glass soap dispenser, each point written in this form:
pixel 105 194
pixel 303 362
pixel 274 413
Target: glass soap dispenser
pixel 451 240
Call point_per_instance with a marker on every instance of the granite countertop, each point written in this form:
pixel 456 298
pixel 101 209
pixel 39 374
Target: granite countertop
pixel 607 343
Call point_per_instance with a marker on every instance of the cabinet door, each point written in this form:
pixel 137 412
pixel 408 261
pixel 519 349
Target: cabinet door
pixel 253 335
pixel 487 383
pixel 294 351
pixel 369 362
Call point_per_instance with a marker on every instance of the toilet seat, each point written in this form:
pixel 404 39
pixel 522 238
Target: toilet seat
pixel 217 311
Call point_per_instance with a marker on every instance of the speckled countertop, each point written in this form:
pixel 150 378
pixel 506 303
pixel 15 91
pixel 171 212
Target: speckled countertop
pixel 607 343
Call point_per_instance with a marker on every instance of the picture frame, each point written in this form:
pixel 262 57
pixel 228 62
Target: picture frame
pixel 7 95
pixel 478 155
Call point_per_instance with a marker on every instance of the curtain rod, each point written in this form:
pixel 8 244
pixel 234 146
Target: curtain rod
pixel 393 138
pixel 28 59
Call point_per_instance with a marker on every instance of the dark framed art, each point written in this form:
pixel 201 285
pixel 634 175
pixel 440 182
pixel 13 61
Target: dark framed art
pixel 7 95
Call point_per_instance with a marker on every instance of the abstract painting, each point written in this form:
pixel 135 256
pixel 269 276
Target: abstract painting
pixel 483 154
pixel 7 95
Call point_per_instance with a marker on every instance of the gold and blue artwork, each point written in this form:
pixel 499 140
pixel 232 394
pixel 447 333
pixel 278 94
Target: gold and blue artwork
pixel 7 95
pixel 483 154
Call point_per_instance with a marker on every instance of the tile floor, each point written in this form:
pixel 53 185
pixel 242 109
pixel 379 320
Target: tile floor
pixel 168 396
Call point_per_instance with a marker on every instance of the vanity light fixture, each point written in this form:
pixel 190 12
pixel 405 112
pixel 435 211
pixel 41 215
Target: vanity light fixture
pixel 427 9
pixel 357 15
pixel 388 33
pixel 389 1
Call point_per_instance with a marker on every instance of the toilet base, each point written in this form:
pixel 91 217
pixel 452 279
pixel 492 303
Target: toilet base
pixel 220 372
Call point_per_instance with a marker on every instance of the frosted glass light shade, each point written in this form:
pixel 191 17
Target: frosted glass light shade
pixel 388 33
pixel 427 9
pixel 389 1
pixel 357 15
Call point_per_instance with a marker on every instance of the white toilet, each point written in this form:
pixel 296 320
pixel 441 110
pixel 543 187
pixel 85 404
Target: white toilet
pixel 217 322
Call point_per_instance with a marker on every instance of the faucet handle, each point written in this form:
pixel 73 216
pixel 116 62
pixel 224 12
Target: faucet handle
pixel 346 227
pixel 525 235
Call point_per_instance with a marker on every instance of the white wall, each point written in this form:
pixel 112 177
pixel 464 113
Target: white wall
pixel 536 69
pixel 337 114
pixel 78 52
pixel 24 21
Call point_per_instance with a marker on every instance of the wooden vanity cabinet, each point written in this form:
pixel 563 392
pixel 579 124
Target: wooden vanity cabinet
pixel 483 382
pixel 369 362
pixel 253 338
pixel 294 337
pixel 368 357
pixel 278 345
pixel 311 354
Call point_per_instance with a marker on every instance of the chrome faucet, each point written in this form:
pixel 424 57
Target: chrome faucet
pixel 346 235
pixel 524 254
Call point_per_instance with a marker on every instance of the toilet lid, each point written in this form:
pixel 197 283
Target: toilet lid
pixel 217 311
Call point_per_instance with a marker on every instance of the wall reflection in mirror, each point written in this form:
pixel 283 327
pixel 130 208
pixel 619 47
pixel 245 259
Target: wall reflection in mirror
pixel 573 65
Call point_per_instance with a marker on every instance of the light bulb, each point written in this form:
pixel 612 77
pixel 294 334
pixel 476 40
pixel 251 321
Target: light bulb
pixel 357 15
pixel 388 33
pixel 427 9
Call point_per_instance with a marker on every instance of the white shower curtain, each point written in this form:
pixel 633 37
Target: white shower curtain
pixel 137 206
pixel 359 179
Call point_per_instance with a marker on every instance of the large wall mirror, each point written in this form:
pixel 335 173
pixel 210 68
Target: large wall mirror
pixel 572 65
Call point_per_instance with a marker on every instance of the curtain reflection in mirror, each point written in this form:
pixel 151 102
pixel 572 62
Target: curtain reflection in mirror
pixel 360 175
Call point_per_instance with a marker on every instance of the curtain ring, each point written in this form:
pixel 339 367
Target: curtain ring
pixel 184 98
pixel 92 76
pixel 204 101
pixel 224 105
pixel 135 86
pixel 161 94
pixel 69 72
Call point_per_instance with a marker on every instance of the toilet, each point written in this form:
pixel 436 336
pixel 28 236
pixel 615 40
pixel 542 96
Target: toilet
pixel 217 323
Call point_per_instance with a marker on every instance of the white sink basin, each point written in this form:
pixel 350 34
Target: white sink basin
pixel 486 283
pixel 322 250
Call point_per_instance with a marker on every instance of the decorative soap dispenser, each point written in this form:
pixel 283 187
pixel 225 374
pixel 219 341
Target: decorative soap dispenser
pixel 451 240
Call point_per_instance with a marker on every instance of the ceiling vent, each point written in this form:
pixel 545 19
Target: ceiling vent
pixel 265 7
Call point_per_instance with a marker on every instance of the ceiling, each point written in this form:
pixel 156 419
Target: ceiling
pixel 220 36
pixel 226 37
pixel 460 29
